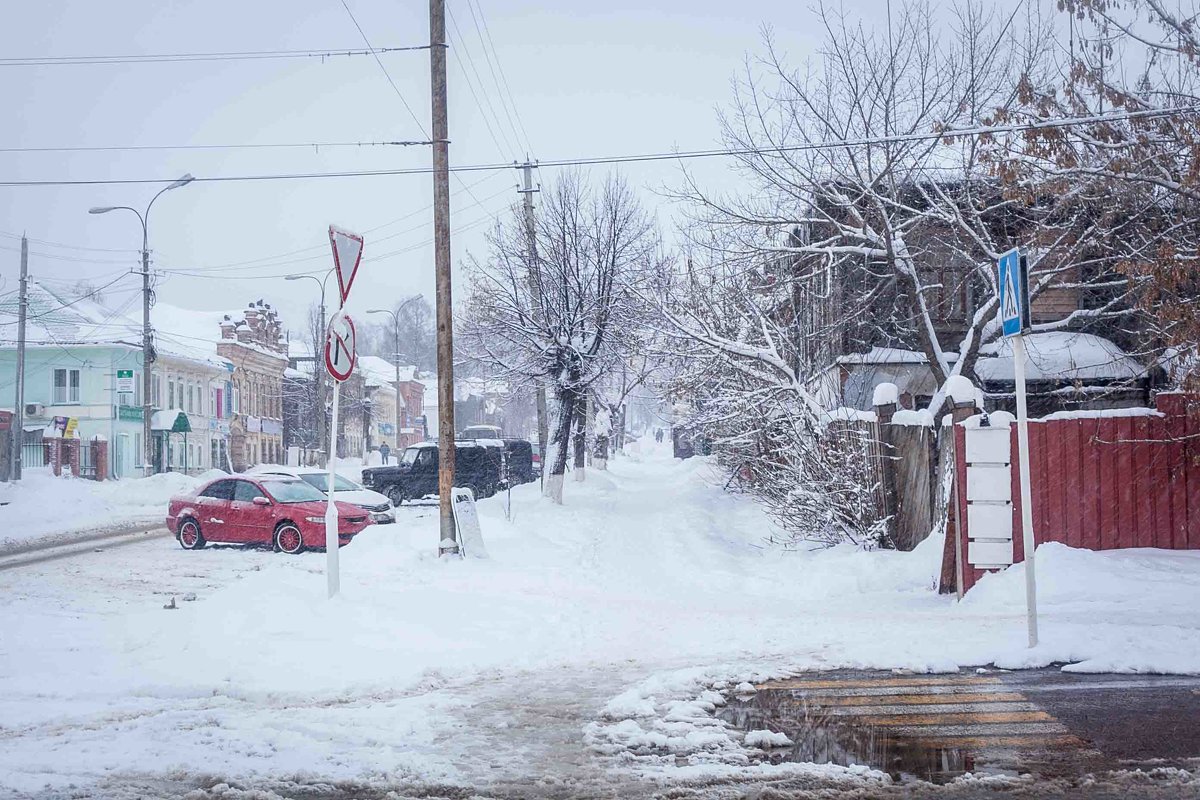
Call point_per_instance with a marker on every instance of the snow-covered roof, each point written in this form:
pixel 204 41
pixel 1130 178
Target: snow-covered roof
pixel 56 319
pixel 1060 355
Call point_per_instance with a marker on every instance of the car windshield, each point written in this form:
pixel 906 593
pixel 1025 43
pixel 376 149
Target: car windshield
pixel 292 491
pixel 321 481
pixel 410 455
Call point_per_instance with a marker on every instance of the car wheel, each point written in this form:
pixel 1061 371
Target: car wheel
pixel 190 537
pixel 396 495
pixel 288 539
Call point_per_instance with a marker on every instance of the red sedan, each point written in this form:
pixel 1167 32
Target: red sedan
pixel 285 512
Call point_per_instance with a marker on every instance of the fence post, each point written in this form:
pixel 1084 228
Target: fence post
pixel 885 408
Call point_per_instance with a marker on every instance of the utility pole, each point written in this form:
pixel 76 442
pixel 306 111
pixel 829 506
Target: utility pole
pixel 18 429
pixel 441 259
pixel 147 360
pixel 535 294
pixel 399 397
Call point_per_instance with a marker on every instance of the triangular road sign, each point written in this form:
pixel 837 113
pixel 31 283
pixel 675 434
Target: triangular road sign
pixel 347 253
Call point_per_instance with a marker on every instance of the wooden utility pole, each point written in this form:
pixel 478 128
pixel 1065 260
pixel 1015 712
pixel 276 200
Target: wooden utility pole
pixel 18 427
pixel 535 300
pixel 441 259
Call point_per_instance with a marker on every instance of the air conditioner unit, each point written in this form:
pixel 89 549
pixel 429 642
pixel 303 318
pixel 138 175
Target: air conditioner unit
pixel 35 410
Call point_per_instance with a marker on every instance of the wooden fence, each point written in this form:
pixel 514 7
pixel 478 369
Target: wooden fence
pixel 1111 481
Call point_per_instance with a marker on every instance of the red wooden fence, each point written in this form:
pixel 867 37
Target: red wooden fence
pixel 1105 482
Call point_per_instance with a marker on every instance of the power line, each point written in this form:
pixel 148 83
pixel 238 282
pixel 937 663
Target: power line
pixel 493 67
pixel 324 246
pixel 386 74
pixel 251 146
pixel 679 155
pixel 158 58
pixel 46 243
pixel 484 105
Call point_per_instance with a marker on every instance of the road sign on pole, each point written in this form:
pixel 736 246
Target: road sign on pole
pixel 347 253
pixel 340 356
pixel 1013 285
pixel 341 353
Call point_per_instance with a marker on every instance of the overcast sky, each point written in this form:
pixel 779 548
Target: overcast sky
pixel 587 79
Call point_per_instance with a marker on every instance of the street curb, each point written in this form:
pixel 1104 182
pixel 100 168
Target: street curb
pixel 58 540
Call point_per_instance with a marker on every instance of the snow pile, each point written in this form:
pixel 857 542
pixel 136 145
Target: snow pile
pixel 922 417
pixel 885 394
pixel 1059 355
pixel 960 389
pixel 41 507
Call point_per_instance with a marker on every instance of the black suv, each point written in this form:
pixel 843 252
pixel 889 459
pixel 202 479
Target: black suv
pixel 476 466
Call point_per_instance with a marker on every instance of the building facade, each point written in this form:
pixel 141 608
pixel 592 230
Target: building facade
pixel 252 341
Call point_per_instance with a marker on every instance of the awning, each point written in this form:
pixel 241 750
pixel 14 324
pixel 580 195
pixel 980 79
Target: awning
pixel 172 420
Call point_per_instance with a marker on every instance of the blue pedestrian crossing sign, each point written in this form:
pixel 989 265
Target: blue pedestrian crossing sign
pixel 1014 292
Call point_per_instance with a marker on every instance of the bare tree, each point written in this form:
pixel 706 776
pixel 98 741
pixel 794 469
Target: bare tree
pixel 557 322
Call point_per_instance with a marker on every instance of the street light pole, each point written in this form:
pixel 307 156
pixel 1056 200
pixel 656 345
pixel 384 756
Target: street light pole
pixel 147 331
pixel 318 372
pixel 396 356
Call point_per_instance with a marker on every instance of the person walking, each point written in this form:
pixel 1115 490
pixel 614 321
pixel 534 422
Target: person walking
pixel 384 451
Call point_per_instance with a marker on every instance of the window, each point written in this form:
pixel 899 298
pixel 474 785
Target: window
pixel 139 455
pixel 156 391
pixel 66 386
pixel 321 481
pixel 221 490
pixel 292 491
pixel 170 393
pixel 245 492
pixel 191 399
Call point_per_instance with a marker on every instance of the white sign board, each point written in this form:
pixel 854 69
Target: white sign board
pixel 341 347
pixel 466 519
pixel 124 381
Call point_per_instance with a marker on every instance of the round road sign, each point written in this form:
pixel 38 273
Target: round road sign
pixel 340 347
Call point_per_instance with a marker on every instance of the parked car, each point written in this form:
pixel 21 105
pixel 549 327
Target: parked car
pixel 480 432
pixel 477 465
pixel 269 509
pixel 377 505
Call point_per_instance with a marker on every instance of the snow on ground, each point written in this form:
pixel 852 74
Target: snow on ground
pixel 646 598
pixel 43 507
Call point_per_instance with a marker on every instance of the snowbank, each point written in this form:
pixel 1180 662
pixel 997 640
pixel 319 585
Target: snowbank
pixel 41 507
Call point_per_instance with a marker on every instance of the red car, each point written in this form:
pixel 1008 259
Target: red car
pixel 285 512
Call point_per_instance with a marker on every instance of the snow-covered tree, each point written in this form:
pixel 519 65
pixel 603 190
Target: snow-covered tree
pixel 558 320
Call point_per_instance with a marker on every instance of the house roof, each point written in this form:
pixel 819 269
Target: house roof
pixel 1060 355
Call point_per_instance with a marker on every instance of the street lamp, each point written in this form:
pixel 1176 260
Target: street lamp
pixel 396 354
pixel 318 372
pixel 147 356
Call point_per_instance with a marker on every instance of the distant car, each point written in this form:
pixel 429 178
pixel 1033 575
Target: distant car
pixel 268 509
pixel 377 505
pixel 481 432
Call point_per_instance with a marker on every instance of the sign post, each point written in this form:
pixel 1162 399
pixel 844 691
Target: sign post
pixel 341 354
pixel 1014 316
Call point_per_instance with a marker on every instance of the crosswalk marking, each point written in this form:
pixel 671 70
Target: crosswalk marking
pixel 912 699
pixel 866 683
pixel 963 712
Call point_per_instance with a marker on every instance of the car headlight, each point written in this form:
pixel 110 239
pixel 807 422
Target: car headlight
pixel 314 519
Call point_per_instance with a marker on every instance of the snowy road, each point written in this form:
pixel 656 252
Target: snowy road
pixel 579 661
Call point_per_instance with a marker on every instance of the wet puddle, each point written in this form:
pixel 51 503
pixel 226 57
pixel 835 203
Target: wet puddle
pixel 822 735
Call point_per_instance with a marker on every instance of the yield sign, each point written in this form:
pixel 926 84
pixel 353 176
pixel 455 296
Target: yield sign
pixel 340 347
pixel 347 253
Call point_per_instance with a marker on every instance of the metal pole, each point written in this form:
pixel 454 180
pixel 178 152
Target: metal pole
pixel 441 250
pixel 147 356
pixel 331 514
pixel 18 430
pixel 1026 492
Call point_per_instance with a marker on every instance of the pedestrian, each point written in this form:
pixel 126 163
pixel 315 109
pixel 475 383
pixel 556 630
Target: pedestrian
pixel 384 450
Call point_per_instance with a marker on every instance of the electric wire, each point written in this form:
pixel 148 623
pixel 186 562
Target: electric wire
pixel 158 58
pixel 485 105
pixel 492 69
pixel 386 74
pixel 504 78
pixel 634 158
pixel 248 146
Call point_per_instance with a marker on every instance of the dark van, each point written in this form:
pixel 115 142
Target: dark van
pixel 476 467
